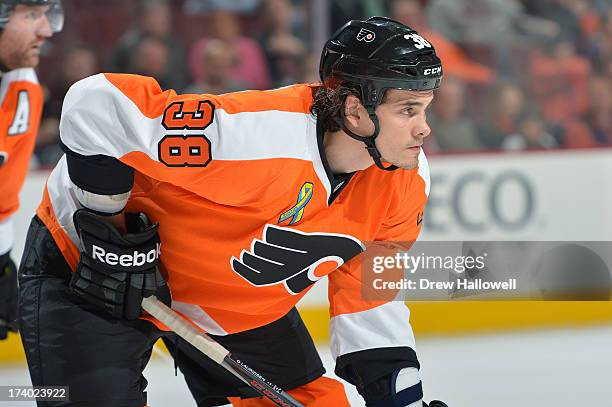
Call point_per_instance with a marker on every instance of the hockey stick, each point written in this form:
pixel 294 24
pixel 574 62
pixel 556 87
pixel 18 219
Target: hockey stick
pixel 218 353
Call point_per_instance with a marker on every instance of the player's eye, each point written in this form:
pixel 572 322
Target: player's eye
pixel 410 111
pixel 35 14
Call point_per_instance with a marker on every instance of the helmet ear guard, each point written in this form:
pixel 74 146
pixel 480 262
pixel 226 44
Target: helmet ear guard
pixel 373 56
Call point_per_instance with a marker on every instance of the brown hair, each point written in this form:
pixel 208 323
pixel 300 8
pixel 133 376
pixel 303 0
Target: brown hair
pixel 327 104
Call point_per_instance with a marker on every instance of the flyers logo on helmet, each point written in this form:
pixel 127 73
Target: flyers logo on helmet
pixel 291 257
pixel 366 35
pixel 186 150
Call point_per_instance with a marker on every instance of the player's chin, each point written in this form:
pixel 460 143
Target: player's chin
pixel 408 164
pixel 30 60
pixel 34 61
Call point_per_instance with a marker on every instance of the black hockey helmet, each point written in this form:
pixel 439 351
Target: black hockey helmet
pixel 55 14
pixel 375 55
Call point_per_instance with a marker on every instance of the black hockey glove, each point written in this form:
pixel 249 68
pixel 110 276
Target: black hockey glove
pixel 385 393
pixel 8 295
pixel 115 272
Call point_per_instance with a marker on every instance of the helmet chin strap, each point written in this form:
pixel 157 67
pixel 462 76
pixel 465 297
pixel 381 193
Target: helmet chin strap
pixel 370 141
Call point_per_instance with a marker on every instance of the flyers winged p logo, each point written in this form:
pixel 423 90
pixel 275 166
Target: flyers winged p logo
pixel 291 257
pixel 366 35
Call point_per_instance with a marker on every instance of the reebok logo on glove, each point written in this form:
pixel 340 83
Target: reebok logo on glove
pixel 136 259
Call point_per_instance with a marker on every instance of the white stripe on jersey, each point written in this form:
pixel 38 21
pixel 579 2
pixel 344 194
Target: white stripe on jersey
pixel 63 198
pixel 385 326
pixel 424 171
pixel 98 119
pixel 23 74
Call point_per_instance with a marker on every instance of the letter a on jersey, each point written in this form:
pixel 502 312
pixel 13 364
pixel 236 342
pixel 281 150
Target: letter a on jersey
pixel 21 121
pixel 290 257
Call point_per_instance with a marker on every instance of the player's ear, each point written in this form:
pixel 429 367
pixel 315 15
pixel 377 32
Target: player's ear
pixel 353 111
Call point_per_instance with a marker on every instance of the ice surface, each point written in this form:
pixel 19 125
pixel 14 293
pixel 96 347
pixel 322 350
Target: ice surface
pixel 558 368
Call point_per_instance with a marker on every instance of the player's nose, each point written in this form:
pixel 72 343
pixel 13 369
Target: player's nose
pixel 44 28
pixel 422 129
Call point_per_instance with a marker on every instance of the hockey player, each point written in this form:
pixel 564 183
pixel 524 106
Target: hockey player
pixel 241 202
pixel 24 27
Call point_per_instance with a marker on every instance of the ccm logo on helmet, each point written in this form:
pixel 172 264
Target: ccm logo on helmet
pixel 432 71
pixel 126 260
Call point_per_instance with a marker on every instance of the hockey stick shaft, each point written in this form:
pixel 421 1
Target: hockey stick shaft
pixel 216 352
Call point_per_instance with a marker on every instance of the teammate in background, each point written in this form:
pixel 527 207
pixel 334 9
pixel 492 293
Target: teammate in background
pixel 24 27
pixel 254 197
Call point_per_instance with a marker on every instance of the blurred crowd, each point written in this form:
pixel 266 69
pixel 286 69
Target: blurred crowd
pixel 519 74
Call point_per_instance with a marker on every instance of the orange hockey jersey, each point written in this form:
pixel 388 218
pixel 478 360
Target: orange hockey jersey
pixel 21 103
pixel 250 216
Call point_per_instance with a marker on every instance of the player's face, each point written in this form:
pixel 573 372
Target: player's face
pixel 403 126
pixel 23 36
